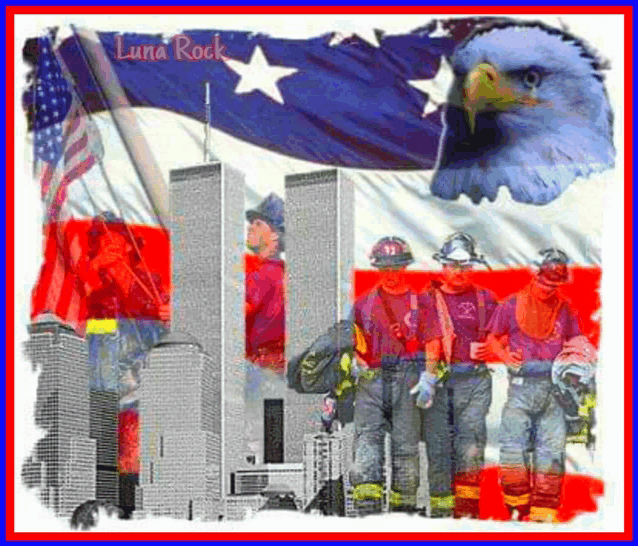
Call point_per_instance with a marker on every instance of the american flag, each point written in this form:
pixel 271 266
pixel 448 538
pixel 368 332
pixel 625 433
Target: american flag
pixel 66 145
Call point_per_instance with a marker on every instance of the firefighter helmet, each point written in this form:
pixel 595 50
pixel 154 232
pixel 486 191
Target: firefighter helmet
pixel 391 252
pixel 553 268
pixel 459 248
pixel 573 377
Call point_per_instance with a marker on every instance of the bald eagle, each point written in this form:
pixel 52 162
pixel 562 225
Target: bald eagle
pixel 528 110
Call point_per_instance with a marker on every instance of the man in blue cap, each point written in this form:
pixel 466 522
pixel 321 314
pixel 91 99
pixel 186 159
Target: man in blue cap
pixel 265 316
pixel 265 304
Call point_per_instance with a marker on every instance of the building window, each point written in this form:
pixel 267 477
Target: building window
pixel 151 475
pixel 273 431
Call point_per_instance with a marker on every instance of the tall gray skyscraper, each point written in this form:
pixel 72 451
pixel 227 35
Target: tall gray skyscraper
pixel 207 238
pixel 63 463
pixel 103 410
pixel 319 263
pixel 180 441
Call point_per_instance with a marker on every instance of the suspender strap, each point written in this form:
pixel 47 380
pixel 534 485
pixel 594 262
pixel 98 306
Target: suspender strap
pixel 395 325
pixel 480 299
pixel 447 326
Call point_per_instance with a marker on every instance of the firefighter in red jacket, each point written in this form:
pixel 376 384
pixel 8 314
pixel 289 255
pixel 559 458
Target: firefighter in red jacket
pixel 528 331
pixel 118 280
pixel 389 358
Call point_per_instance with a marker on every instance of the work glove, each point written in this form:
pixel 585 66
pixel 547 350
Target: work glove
pixel 424 390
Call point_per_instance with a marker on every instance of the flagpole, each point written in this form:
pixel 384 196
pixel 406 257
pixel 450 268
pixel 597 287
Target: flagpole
pixel 207 128
pixel 145 167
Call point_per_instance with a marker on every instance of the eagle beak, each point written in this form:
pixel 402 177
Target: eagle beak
pixel 485 89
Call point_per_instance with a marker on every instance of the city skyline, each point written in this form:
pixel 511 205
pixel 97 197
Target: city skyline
pixel 63 463
pixel 196 370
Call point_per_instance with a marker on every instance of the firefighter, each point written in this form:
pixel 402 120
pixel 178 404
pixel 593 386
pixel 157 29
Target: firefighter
pixel 527 332
pixel 454 423
pixel 389 358
pixel 118 279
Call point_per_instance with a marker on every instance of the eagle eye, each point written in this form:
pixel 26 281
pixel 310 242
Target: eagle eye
pixel 532 78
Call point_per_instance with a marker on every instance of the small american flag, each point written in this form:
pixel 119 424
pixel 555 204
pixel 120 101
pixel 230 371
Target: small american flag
pixel 66 142
pixel 66 145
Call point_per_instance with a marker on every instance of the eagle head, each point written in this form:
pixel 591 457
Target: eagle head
pixel 528 110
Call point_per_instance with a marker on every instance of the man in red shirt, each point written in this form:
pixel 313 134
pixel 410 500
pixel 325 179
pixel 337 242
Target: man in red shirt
pixel 265 317
pixel 454 417
pixel 265 303
pixel 389 357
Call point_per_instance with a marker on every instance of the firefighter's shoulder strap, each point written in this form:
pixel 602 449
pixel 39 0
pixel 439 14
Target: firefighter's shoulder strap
pixel 445 322
pixel 480 299
pixel 395 325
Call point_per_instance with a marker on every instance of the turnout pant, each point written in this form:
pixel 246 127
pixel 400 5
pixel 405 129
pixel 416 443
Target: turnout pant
pixel 532 438
pixel 455 435
pixel 383 404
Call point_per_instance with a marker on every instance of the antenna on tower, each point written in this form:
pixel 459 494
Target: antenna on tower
pixel 207 128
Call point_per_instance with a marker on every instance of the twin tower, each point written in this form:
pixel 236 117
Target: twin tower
pixel 192 392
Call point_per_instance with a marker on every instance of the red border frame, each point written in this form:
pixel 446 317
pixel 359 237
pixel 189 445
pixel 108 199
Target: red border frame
pixel 11 11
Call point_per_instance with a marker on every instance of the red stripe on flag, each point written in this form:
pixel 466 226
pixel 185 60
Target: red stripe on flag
pixel 68 287
pixel 78 170
pixel 58 290
pixel 60 195
pixel 46 177
pixel 79 156
pixel 76 147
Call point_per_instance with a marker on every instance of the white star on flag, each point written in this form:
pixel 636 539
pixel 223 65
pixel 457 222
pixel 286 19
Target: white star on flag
pixel 437 88
pixel 259 75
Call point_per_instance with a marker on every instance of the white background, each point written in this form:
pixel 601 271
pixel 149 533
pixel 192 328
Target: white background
pixel 605 33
